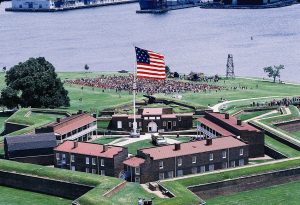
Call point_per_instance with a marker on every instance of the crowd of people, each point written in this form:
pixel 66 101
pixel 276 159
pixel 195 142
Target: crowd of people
pixel 146 86
pixel 280 102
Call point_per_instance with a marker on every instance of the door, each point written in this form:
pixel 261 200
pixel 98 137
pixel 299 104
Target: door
pixel 169 126
pixel 152 127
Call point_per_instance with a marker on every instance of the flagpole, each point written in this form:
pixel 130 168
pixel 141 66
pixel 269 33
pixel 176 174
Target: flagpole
pixel 134 134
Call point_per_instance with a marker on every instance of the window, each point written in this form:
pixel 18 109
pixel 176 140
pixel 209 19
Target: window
pixel 224 165
pixel 87 170
pixel 161 165
pixel 73 168
pixel 241 152
pixel 174 123
pixel 57 156
pixel 63 156
pixel 170 174
pixel 94 171
pixel 232 164
pixel 179 173
pixel 151 118
pixel 102 162
pixel 137 179
pixel 102 172
pixel 202 169
pixel 194 159
pixel 211 167
pixel 164 123
pixel 241 162
pixel 137 170
pixel 179 162
pixel 119 124
pixel 129 124
pixel 94 161
pixel 140 124
pixel 194 170
pixel 146 118
pixel 223 154
pixel 72 158
pixel 161 176
pixel 211 157
pixel 87 160
pixel 179 119
pixel 158 118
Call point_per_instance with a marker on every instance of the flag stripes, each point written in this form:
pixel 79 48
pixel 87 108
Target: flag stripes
pixel 150 64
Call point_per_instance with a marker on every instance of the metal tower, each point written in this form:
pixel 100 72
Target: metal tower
pixel 230 67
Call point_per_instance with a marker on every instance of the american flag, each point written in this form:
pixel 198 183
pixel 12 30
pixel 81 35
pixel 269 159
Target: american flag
pixel 150 64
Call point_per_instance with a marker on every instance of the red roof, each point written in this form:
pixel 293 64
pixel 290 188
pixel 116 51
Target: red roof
pixel 189 148
pixel 134 161
pixel 168 116
pixel 215 127
pixel 152 111
pixel 90 149
pixel 71 123
pixel 232 121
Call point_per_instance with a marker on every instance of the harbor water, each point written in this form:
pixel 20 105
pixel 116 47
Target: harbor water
pixel 192 39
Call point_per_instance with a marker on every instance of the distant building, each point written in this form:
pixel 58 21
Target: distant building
pixel 78 127
pixel 91 158
pixel 153 120
pixel 158 163
pixel 247 2
pixel 32 148
pixel 215 124
pixel 163 4
pixel 33 4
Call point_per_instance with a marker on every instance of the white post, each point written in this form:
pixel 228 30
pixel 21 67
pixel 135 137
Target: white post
pixel 134 90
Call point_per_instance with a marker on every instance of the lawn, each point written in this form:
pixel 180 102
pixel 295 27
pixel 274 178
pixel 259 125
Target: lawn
pixel 285 194
pixel 180 138
pixel 284 149
pixel 133 147
pixel 249 115
pixel 10 196
pixel 105 140
pixel 32 119
pixel 296 134
pixel 236 172
pixel 103 124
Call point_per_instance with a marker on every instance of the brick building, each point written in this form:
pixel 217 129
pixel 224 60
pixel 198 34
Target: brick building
pixel 158 163
pixel 80 127
pixel 215 124
pixel 91 158
pixel 30 148
pixel 153 120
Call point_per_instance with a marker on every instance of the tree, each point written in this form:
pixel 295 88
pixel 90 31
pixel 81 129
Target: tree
pixel 168 70
pixel 86 67
pixel 9 98
pixel 273 72
pixel 34 83
pixel 4 69
pixel 176 75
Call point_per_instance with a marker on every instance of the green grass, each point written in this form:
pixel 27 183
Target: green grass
pixel 59 174
pixel 284 149
pixel 180 138
pixel 294 115
pixel 22 116
pixel 133 147
pixel 249 115
pixel 283 194
pixel 103 124
pixel 242 171
pixel 105 140
pixel 296 134
pixel 10 196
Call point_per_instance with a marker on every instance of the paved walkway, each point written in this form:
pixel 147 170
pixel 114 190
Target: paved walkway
pixel 262 116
